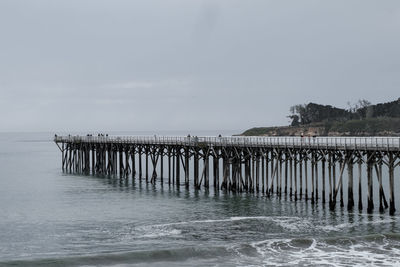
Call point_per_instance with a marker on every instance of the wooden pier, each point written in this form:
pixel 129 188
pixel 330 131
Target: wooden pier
pixel 293 166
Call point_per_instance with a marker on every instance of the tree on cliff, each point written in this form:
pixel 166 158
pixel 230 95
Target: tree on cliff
pixel 305 114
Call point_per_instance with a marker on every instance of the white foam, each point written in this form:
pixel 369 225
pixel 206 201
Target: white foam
pixel 282 252
pixel 153 231
pixel 294 224
pixel 340 227
pixel 162 233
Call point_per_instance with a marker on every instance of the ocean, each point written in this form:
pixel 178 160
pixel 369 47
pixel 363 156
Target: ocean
pixel 50 218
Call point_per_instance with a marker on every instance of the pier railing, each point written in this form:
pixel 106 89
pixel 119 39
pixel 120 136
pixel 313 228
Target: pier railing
pixel 363 143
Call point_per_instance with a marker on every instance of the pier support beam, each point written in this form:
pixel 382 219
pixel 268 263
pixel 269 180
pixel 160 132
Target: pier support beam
pixel 313 178
pixel 392 208
pixel 295 177
pixel 196 169
pixel 341 186
pixel 301 176
pixel 306 177
pixel 360 204
pixel 187 158
pixel 350 202
pixel 286 173
pixel 291 176
pixel 370 201
pixel 323 168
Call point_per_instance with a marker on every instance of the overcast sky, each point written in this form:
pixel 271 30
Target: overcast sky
pixel 189 64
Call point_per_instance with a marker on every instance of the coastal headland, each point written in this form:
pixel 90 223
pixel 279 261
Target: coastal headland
pixel 360 119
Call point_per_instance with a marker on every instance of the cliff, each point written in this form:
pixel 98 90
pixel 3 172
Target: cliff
pixel 324 120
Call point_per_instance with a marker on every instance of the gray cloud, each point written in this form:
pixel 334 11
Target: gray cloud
pixel 176 64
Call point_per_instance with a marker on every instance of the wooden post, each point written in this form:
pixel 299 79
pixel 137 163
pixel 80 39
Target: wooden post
pixel 263 172
pixel 127 167
pixel 154 159
pixel 330 178
pixel 174 152
pixel 252 176
pixel 286 172
pixel 280 174
pixel 147 164
pixel 232 177
pixel 207 172
pixel 63 157
pixel 93 161
pixel 271 191
pixel 140 163
pixel 169 166
pixel 295 177
pixel 323 179
pixel 240 176
pixel 96 159
pixel 112 161
pixel 360 205
pixel 73 159
pixel 161 153
pixel 115 161
pixel 291 177
pixel 196 169
pixel 133 156
pixel 316 180
pixel 178 167
pixel 301 176
pixel 104 160
pixel 246 173
pixel 121 163
pixel 370 207
pixel 312 178
pixel 341 190
pixel 80 159
pixel 333 177
pixel 232 186
pixel 266 174
pixel 392 208
pixel 215 171
pixel 306 178
pixel 224 185
pixel 109 161
pixel 350 202
pixel 87 159
pixel 336 189
pixel 257 173
pixel 276 167
pixel 380 187
pixel 187 157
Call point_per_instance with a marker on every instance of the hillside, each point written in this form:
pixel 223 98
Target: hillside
pixel 363 119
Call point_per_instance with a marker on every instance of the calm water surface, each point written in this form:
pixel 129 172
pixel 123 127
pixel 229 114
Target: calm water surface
pixel 55 219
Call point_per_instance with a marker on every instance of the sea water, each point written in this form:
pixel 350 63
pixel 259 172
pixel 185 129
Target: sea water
pixel 51 218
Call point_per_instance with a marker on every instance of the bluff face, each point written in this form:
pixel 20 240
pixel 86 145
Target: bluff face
pixel 363 119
